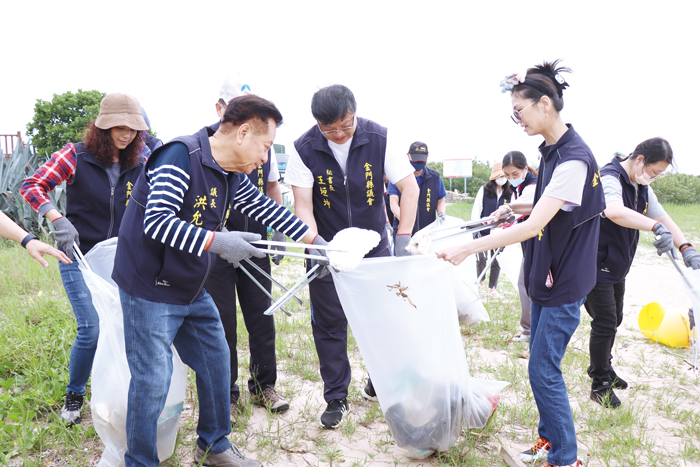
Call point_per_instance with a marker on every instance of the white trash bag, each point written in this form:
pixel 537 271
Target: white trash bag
pixel 403 316
pixel 110 370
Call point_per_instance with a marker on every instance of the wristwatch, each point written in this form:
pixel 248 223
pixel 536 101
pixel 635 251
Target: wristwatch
pixel 30 236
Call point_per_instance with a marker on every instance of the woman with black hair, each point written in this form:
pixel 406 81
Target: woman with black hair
pixel 523 178
pixel 100 171
pixel 493 194
pixel 631 206
pixel 560 261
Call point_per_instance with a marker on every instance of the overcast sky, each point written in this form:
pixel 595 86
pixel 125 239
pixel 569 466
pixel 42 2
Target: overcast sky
pixel 427 70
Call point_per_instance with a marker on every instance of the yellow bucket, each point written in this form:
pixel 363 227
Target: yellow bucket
pixel 665 327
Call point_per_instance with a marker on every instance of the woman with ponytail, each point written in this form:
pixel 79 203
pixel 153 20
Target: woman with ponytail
pixel 560 268
pixel 631 206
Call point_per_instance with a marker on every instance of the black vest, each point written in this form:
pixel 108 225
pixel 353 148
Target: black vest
pixel 427 200
pixel 490 204
pixel 351 198
pixel 617 244
pixel 148 269
pixel 560 262
pixel 530 179
pixel 93 207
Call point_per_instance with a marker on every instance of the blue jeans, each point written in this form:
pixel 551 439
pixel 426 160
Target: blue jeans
pixel 551 329
pixel 195 329
pixel 83 351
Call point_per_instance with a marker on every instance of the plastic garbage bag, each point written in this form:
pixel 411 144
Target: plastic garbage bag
pixel 402 314
pixel 110 370
pixel 510 260
pixel 469 307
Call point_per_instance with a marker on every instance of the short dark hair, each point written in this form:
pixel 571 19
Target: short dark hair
pixel 332 103
pixel 242 109
pixel 541 81
pixel 654 150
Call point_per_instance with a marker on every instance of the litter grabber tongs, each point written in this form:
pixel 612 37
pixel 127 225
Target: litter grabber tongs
pixel 422 241
pixel 310 275
pixel 693 291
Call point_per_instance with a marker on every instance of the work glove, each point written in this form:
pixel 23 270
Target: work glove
pixel 278 237
pixel 402 241
pixel 235 246
pixel 691 257
pixel 324 268
pixel 66 235
pixel 389 229
pixel 441 219
pixel 664 239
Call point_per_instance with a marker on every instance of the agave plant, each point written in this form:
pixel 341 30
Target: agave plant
pixel 13 171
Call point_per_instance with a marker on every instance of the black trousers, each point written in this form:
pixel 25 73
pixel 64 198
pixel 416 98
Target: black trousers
pixel 481 260
pixel 330 331
pixel 222 284
pixel 604 304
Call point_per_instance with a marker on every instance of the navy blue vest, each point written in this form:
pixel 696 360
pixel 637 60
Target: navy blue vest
pixel 560 264
pixel 427 200
pixel 617 244
pixel 92 206
pixel 489 205
pixel 148 269
pixel 530 179
pixel 353 198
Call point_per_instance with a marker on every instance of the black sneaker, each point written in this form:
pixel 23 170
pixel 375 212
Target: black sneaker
pixel 605 397
pixel 70 412
pixel 336 410
pixel 617 382
pixel 368 392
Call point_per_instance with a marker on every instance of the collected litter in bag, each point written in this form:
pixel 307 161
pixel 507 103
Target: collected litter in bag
pixel 110 370
pixel 402 315
pixel 470 309
pixel 352 244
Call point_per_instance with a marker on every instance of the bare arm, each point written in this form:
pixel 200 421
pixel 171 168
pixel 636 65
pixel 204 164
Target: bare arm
pixel 36 249
pixel 409 193
pixel 626 217
pixel 274 191
pixel 394 205
pixel 546 209
pixel 441 206
pixel 304 210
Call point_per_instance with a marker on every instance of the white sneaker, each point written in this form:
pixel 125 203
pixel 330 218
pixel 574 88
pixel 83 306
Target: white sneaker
pixel 521 338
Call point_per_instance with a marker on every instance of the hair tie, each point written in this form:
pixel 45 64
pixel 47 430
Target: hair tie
pixel 511 81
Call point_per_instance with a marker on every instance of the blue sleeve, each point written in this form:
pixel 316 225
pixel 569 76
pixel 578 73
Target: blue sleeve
pixel 392 190
pixel 441 189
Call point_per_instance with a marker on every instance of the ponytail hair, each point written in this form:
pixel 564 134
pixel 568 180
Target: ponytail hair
pixel 544 80
pixel 519 160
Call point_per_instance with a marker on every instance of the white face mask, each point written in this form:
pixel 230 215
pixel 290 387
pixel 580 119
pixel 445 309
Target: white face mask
pixel 500 181
pixel 644 178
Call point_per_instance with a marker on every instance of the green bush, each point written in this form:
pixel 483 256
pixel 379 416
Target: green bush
pixel 481 171
pixel 678 189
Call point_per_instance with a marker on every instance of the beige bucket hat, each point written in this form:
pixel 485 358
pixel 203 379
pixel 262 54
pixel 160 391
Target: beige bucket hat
pixel 118 109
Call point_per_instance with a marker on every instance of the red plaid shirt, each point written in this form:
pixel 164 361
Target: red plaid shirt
pixel 60 167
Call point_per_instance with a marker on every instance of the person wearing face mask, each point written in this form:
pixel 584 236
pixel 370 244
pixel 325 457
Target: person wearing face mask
pixel 631 206
pixel 100 172
pixel 431 200
pixel 523 179
pixel 496 192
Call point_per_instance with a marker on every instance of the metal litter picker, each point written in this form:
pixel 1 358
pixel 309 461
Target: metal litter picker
pixel 691 280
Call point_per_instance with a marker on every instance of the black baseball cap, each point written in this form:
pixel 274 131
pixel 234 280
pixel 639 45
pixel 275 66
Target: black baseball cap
pixel 418 152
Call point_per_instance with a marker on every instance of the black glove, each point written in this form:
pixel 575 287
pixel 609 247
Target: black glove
pixel 664 239
pixel 400 245
pixel 235 246
pixel 691 257
pixel 66 235
pixel 278 237
pixel 324 268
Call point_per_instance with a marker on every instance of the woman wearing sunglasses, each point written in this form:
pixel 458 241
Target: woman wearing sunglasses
pixel 560 261
pixel 631 206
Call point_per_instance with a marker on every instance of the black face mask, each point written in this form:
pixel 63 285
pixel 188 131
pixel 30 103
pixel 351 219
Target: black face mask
pixel 418 166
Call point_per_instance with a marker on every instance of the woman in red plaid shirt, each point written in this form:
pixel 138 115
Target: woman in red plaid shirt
pixel 100 171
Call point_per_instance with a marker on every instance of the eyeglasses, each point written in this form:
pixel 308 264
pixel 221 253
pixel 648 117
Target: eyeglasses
pixel 340 130
pixel 517 116
pixel 223 103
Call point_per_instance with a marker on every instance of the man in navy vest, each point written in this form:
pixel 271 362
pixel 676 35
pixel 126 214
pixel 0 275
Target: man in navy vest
pixel 227 281
pixel 171 230
pixel 337 178
pixel 431 200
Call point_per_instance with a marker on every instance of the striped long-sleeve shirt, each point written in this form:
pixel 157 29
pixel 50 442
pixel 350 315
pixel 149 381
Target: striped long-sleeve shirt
pixel 168 180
